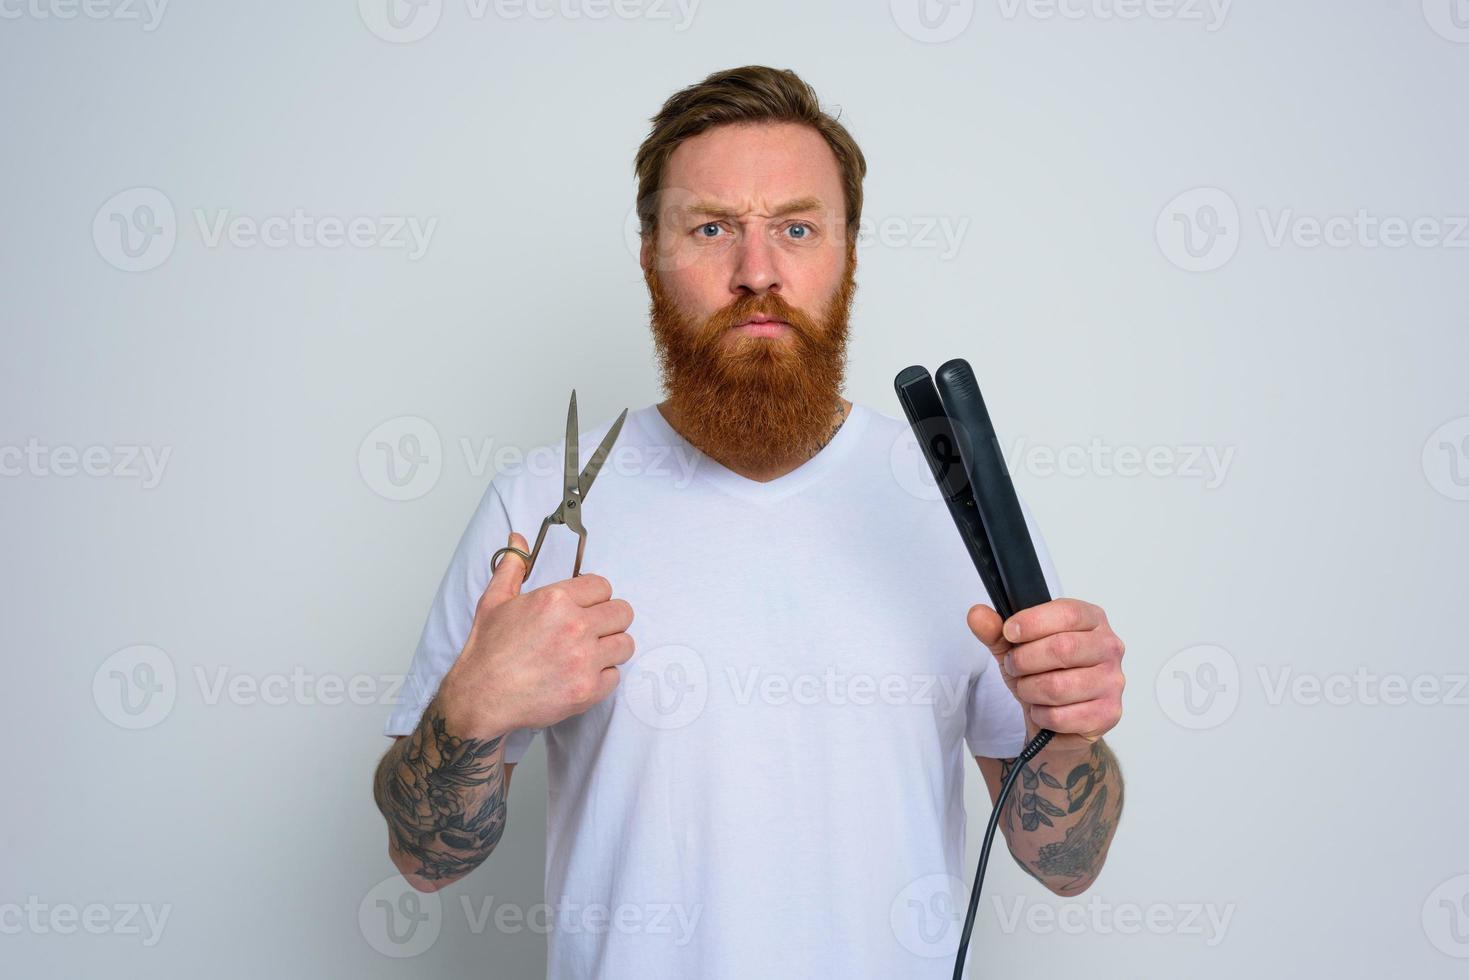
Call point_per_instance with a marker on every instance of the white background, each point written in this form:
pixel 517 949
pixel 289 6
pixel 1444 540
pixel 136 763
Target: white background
pixel 1052 144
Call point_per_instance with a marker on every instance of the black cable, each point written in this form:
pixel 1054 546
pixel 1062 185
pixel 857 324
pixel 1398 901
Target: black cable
pixel 1026 754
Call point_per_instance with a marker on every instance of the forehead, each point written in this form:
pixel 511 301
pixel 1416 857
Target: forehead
pixel 756 166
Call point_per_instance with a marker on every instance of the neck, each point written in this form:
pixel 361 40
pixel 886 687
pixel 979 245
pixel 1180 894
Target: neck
pixel 839 413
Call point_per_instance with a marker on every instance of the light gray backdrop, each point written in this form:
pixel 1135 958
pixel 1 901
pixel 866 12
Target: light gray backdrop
pixel 280 281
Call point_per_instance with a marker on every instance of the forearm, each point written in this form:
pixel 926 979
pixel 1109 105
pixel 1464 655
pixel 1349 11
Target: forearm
pixel 1060 816
pixel 444 801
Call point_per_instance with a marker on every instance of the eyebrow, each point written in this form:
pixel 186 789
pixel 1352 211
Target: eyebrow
pixel 795 206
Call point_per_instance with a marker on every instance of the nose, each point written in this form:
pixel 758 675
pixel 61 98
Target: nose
pixel 756 268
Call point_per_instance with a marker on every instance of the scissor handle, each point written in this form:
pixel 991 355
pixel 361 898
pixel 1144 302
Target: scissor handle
pixel 581 545
pixel 495 558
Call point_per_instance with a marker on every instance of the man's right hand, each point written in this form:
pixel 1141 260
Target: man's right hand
pixel 534 659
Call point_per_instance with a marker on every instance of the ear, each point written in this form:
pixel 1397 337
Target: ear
pixel 645 251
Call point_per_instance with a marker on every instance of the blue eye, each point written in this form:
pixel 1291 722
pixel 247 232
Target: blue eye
pixel 712 224
pixel 804 230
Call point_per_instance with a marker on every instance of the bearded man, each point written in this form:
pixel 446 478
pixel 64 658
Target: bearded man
pixel 762 775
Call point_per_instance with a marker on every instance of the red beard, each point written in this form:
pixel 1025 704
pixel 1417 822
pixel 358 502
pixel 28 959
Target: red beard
pixel 754 403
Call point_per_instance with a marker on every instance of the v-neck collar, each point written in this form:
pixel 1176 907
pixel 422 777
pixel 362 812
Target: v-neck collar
pixel 706 467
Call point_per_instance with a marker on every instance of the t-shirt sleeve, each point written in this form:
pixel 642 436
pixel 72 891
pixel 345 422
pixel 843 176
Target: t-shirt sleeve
pixel 995 727
pixel 449 620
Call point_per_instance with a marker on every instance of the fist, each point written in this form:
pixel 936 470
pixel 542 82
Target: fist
pixel 1063 663
pixel 533 659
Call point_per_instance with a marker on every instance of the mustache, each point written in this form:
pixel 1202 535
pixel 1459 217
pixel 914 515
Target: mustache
pixel 769 305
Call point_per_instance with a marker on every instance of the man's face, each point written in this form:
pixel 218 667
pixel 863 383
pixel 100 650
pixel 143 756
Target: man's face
pixel 751 279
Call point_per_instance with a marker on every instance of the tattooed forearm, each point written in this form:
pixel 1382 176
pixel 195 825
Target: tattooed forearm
pixel 443 797
pixel 1059 826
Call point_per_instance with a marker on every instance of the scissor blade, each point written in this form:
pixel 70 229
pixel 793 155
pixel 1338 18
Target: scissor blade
pixel 600 456
pixel 572 449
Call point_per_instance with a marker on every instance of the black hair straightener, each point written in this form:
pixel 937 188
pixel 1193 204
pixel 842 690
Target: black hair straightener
pixel 954 432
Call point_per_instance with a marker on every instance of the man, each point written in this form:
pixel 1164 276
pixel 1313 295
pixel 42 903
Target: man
pixel 762 776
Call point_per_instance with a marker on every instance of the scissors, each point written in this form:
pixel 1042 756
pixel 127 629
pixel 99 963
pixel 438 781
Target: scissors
pixel 576 486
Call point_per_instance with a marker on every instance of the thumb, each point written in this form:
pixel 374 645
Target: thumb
pixel 508 576
pixel 987 626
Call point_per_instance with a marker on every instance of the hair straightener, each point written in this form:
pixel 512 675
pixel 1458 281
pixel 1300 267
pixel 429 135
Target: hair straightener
pixel 954 432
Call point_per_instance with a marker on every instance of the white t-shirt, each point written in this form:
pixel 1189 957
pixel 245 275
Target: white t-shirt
pixel 776 787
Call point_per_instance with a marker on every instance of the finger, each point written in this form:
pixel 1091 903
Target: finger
pixel 985 624
pixel 1052 617
pixel 508 575
pixel 1087 718
pixel 1060 687
pixel 1059 651
pixel 607 682
pixel 617 648
pixel 612 616
pixel 586 590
